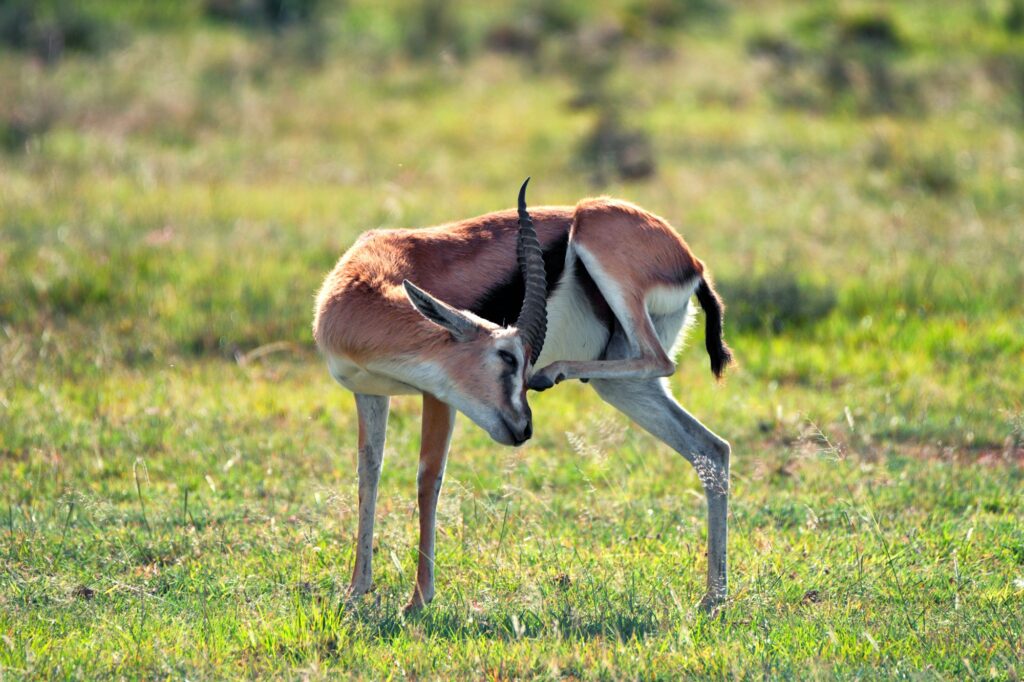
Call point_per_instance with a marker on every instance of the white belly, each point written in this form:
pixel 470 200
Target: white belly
pixel 360 380
pixel 574 331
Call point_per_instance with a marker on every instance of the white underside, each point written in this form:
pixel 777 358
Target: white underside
pixel 574 331
pixel 359 379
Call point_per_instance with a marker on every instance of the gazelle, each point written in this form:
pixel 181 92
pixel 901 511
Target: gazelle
pixel 600 292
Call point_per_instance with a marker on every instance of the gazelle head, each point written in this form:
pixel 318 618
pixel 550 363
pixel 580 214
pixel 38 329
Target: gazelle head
pixel 487 366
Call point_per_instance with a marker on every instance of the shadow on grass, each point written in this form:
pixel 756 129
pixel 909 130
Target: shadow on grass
pixel 597 613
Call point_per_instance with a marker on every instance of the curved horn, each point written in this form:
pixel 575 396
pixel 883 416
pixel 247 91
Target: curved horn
pixel 533 317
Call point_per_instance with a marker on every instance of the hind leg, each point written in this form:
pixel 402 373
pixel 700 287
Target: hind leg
pixel 644 358
pixel 632 302
pixel 649 404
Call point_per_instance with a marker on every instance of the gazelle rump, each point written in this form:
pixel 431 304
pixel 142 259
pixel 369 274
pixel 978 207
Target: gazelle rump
pixel 471 314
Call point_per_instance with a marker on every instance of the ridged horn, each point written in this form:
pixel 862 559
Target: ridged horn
pixel 533 317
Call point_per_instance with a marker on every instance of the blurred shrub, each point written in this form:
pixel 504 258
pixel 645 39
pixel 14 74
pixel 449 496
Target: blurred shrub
pixel 520 37
pixel 24 117
pixel 932 173
pixel 869 31
pixel 1013 21
pixel 835 61
pixel 268 13
pixel 300 35
pixel 590 56
pixel 647 27
pixel 80 294
pixel 561 16
pixel 535 25
pixel 870 84
pixel 587 43
pixel 643 16
pixel 539 32
pixel 48 29
pixel 1006 72
pixel 615 150
pixel 307 47
pixel 433 27
pixel 880 153
pixel 782 51
pixel 775 302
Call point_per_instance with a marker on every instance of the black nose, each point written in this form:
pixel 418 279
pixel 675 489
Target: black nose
pixel 524 435
pixel 520 437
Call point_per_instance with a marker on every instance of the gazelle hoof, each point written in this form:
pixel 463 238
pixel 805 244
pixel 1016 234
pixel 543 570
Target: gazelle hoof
pixel 356 593
pixel 712 604
pixel 415 605
pixel 540 382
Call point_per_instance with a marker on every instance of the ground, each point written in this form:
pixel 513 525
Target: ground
pixel 177 469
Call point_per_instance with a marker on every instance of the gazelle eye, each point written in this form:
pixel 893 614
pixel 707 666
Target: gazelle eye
pixel 507 358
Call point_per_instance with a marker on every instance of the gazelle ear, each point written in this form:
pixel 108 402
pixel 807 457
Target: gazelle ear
pixel 461 327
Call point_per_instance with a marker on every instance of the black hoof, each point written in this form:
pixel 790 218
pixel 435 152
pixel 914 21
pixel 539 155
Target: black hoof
pixel 540 383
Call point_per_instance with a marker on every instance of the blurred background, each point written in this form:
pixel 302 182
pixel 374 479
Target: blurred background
pixel 176 178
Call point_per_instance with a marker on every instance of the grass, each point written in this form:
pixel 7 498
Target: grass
pixel 173 505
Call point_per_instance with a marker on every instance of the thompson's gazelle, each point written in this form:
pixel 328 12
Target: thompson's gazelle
pixel 600 292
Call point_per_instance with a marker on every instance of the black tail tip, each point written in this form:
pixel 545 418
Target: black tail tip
pixel 718 352
pixel 721 360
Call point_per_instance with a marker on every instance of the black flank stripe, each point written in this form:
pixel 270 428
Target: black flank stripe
pixel 501 304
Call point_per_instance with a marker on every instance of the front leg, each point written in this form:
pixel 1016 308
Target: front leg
pixel 438 422
pixel 373 424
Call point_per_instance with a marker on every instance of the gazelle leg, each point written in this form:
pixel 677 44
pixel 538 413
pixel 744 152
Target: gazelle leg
pixel 637 368
pixel 438 421
pixel 373 424
pixel 641 355
pixel 649 404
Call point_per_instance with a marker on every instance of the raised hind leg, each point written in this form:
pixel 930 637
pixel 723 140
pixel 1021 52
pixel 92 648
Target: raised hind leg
pixel 373 424
pixel 631 300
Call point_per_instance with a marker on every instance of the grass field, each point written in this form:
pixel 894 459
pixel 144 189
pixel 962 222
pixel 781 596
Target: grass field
pixel 177 469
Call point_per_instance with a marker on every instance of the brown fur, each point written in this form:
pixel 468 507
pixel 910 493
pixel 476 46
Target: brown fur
pixel 362 303
pixel 362 312
pixel 637 248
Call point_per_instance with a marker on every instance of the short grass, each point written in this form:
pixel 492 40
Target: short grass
pixel 174 504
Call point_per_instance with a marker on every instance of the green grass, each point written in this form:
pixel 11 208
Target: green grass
pixel 171 203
